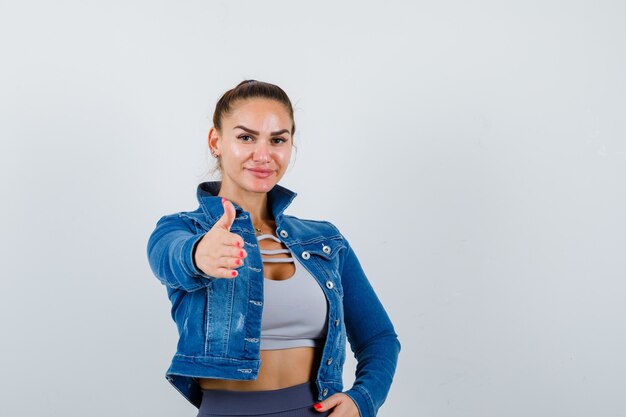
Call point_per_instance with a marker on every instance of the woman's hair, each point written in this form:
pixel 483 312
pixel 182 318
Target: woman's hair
pixel 245 90
pixel 251 89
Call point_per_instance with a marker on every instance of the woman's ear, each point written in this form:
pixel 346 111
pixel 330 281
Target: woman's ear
pixel 213 140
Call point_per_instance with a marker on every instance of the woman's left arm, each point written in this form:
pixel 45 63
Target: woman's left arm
pixel 371 335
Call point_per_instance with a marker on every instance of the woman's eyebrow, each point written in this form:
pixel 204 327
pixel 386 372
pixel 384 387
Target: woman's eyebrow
pixel 254 132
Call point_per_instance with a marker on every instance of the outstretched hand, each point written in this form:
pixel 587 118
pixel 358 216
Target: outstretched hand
pixel 340 404
pixel 220 251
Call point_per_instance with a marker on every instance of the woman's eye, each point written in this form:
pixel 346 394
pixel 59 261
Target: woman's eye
pixel 245 138
pixel 278 140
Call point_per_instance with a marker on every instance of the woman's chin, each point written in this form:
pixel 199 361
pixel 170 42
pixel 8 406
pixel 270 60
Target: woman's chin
pixel 262 185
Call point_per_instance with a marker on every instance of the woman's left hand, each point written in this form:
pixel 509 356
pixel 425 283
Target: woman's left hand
pixel 340 404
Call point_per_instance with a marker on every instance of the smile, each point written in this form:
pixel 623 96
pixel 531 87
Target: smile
pixel 260 173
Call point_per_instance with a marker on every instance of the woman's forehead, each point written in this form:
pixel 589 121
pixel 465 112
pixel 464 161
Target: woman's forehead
pixel 260 114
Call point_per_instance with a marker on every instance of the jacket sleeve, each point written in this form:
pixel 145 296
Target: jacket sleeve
pixel 171 248
pixel 371 335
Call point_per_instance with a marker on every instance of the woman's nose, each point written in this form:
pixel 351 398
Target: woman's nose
pixel 261 152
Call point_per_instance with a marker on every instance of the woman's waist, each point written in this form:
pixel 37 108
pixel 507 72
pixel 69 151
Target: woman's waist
pixel 295 400
pixel 280 368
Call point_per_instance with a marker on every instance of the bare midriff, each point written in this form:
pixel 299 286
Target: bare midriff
pixel 280 368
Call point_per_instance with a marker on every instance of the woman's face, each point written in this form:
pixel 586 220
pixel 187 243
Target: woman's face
pixel 254 145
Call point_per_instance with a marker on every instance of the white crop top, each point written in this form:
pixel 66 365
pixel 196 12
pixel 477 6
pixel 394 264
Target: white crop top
pixel 294 309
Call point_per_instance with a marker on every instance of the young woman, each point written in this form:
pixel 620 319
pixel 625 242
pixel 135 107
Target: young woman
pixel 264 301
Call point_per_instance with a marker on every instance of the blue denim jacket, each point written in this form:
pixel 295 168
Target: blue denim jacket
pixel 219 319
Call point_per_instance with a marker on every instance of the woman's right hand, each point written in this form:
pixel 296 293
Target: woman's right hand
pixel 219 251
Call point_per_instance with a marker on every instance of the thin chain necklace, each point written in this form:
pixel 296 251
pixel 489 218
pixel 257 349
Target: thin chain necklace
pixel 259 229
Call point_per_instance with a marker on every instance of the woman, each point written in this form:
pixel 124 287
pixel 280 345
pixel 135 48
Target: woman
pixel 263 301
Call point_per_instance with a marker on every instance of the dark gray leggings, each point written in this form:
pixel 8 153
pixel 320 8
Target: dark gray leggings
pixel 296 401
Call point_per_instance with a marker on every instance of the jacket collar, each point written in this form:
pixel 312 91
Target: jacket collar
pixel 278 199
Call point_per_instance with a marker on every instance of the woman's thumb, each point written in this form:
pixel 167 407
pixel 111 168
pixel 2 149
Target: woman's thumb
pixel 227 219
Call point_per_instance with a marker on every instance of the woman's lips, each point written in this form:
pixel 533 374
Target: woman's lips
pixel 260 173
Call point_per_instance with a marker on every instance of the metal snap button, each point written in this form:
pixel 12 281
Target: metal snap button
pixel 329 285
pixel 329 361
pixel 326 249
pixel 306 255
pixel 283 233
pixel 336 322
pixel 325 392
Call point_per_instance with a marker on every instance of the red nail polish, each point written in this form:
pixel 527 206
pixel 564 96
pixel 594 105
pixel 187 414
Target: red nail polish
pixel 234 273
pixel 241 254
pixel 317 406
pixel 238 261
pixel 238 244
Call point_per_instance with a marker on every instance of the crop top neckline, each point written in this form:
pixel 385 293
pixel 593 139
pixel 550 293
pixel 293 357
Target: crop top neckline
pixel 274 251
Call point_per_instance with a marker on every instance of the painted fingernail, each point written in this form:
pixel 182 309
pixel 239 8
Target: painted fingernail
pixel 238 244
pixel 238 261
pixel 223 199
pixel 241 254
pixel 317 406
pixel 234 273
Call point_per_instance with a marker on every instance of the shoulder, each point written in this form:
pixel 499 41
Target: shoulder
pixel 191 220
pixel 306 227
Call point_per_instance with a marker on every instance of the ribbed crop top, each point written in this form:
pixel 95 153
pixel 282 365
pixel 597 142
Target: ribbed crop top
pixel 294 309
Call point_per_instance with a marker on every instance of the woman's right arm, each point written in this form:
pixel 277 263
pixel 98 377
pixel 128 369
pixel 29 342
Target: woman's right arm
pixel 182 258
pixel 171 254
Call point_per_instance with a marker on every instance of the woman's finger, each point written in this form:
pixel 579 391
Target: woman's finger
pixel 225 251
pixel 340 405
pixel 234 252
pixel 225 273
pixel 232 239
pixel 231 262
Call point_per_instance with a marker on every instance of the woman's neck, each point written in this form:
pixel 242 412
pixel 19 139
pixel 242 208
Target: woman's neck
pixel 253 203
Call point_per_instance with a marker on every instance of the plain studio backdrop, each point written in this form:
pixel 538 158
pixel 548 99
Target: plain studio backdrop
pixel 472 151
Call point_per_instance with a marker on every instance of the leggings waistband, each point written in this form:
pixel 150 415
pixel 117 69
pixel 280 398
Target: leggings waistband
pixel 258 402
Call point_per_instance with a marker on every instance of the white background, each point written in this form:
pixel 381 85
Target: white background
pixel 472 151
